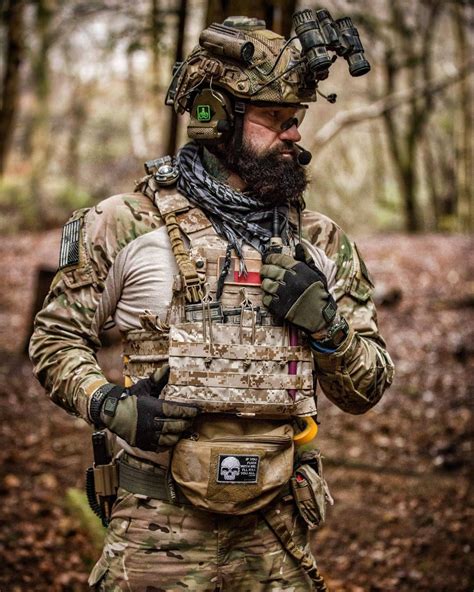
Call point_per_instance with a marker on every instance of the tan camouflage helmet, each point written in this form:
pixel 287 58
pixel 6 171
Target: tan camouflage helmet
pixel 247 60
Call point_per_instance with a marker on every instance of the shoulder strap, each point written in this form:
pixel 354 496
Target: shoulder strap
pixel 170 203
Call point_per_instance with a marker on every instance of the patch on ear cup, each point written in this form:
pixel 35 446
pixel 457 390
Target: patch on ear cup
pixel 211 116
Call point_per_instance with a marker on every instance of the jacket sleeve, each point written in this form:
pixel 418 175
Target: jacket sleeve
pixel 356 375
pixel 66 333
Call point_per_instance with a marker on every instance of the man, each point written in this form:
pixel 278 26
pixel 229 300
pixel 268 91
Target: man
pixel 220 351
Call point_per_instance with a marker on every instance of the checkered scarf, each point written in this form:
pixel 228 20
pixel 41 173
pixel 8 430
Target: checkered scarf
pixel 238 217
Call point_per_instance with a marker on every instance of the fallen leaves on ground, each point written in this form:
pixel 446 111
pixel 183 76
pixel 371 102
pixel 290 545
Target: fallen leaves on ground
pixel 400 474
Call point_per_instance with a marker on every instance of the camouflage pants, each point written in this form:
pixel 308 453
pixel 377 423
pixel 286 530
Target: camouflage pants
pixel 154 546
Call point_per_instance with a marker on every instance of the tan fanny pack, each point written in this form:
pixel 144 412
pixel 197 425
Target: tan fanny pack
pixel 226 468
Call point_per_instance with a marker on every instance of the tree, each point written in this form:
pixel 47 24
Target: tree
pixel 406 131
pixel 179 56
pixel 465 151
pixel 277 15
pixel 13 58
pixel 45 11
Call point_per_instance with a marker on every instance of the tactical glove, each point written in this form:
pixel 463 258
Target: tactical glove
pixel 297 291
pixel 137 415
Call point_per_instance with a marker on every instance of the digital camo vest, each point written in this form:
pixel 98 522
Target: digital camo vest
pixel 231 359
pixel 229 356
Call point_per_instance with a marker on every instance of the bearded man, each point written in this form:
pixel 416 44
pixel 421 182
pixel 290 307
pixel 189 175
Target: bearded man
pixel 221 352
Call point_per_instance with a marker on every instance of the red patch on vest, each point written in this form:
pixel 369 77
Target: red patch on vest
pixel 252 278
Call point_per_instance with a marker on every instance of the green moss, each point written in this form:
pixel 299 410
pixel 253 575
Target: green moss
pixel 76 503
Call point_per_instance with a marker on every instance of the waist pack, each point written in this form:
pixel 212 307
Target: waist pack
pixel 233 467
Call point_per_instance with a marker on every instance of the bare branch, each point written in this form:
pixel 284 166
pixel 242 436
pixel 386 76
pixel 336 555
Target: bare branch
pixel 386 104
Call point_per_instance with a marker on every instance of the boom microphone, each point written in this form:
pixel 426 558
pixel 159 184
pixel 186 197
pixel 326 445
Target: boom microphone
pixel 304 156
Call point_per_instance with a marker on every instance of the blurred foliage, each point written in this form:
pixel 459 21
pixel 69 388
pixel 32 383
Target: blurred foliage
pixel 76 503
pixel 106 67
pixel 18 211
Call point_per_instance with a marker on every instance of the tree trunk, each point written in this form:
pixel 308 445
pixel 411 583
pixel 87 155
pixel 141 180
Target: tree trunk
pixel 433 182
pixel 465 151
pixel 136 121
pixel 379 169
pixel 13 57
pixel 173 129
pixel 405 137
pixel 408 179
pixel 77 118
pixel 277 15
pixel 41 145
pixel 155 38
pixel 282 21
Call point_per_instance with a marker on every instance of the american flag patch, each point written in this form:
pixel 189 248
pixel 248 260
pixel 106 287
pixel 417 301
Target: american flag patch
pixel 69 250
pixel 233 277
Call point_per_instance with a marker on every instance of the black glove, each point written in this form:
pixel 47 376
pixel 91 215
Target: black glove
pixel 142 419
pixel 297 291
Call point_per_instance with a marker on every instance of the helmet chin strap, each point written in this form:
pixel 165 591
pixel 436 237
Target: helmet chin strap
pixel 239 113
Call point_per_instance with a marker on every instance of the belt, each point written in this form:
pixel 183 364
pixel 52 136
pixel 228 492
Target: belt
pixel 146 478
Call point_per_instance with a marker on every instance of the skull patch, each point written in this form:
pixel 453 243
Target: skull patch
pixel 230 468
pixel 238 468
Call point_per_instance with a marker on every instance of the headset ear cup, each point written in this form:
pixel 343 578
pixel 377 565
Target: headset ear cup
pixel 211 119
pixel 223 126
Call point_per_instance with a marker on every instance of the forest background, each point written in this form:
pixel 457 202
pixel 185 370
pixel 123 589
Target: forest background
pixel 82 108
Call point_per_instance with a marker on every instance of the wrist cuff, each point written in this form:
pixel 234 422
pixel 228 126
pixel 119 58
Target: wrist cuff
pixel 95 405
pixel 336 335
pixel 317 346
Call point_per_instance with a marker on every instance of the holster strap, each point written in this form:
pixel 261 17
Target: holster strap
pixel 152 482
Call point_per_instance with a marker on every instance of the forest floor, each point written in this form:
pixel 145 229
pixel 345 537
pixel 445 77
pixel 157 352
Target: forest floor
pixel 400 475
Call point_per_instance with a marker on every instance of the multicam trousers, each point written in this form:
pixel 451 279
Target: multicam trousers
pixel 154 546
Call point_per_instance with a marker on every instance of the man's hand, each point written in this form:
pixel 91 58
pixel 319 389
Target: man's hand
pixel 297 291
pixel 142 419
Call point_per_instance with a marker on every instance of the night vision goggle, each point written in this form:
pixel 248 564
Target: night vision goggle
pixel 323 34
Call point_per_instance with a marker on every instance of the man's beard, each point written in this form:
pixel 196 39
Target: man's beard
pixel 272 178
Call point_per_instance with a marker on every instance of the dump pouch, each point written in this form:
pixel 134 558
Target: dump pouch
pixel 235 473
pixel 310 490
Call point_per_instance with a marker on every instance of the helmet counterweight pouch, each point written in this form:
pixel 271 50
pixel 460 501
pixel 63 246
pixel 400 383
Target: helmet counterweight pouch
pixel 211 117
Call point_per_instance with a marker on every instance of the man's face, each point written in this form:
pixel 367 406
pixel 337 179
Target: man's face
pixel 273 129
pixel 266 160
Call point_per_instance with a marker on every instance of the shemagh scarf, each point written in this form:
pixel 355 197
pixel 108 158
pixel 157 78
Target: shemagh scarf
pixel 238 217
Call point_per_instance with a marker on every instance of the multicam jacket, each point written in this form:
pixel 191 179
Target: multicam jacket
pixel 116 262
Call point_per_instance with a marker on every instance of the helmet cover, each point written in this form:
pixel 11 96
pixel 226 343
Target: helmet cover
pixel 248 61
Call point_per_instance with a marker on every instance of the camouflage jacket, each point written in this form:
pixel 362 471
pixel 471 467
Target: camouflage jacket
pixel 116 261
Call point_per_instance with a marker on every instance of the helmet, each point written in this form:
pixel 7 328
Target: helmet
pixel 248 61
pixel 241 61
pixel 238 62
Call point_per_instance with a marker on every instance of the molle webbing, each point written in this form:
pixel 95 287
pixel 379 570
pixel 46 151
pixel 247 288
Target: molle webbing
pixel 226 356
